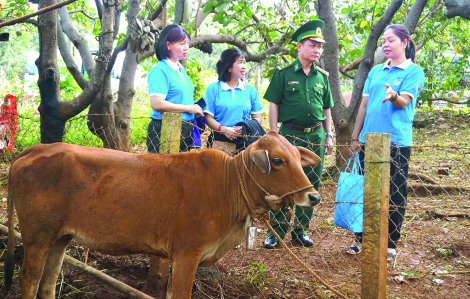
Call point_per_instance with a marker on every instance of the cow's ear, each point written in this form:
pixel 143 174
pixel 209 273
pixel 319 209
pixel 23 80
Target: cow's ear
pixel 308 158
pixel 261 159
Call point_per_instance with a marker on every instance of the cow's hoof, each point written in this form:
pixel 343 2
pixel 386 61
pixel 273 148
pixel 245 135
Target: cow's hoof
pixel 303 240
pixel 271 243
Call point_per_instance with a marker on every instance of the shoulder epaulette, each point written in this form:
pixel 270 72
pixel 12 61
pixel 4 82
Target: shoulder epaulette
pixel 323 71
pixel 284 66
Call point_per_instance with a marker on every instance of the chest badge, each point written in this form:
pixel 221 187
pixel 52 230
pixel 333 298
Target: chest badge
pixel 319 85
pixel 397 82
pixel 292 82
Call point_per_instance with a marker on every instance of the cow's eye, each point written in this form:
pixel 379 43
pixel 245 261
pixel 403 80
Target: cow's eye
pixel 277 161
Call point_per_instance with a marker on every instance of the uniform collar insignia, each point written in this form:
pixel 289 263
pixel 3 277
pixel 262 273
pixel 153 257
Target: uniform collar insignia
pixel 297 65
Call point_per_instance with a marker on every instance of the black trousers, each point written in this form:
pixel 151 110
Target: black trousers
pixel 154 135
pixel 400 157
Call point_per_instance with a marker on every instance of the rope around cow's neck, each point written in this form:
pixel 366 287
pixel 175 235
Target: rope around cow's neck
pixel 270 198
pixel 263 218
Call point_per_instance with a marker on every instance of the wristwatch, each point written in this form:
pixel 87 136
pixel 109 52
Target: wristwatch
pixel 329 134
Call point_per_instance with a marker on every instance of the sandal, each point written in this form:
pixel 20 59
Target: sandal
pixel 391 254
pixel 355 248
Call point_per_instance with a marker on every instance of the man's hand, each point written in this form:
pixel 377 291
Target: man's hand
pixel 329 144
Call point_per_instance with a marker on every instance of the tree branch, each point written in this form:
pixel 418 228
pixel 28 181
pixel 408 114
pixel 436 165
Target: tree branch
pixel 99 8
pixel 68 59
pixel 242 45
pixel 346 74
pixel 82 11
pixel 71 108
pixel 201 16
pixel 157 12
pixel 436 7
pixel 413 17
pixel 36 13
pixel 78 41
pixel 30 21
pixel 411 22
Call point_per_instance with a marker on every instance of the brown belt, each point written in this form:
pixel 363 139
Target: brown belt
pixel 303 129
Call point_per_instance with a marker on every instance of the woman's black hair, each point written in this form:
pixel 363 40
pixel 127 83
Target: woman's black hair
pixel 403 33
pixel 226 61
pixel 171 34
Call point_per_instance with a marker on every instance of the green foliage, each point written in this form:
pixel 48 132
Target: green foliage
pixel 12 85
pixel 256 275
pixel 199 76
pixel 444 252
pixel 139 123
pixel 14 52
pixel 69 88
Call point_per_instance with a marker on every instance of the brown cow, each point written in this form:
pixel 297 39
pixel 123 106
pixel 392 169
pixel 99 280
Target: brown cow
pixel 186 207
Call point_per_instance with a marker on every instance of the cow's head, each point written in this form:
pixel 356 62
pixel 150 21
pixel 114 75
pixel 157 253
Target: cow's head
pixel 277 167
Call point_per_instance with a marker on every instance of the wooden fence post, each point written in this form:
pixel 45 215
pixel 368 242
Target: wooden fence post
pixel 169 144
pixel 171 133
pixel 375 230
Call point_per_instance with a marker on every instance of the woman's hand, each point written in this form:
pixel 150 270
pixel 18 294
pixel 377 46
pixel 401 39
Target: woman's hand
pixel 196 109
pixel 232 132
pixel 354 146
pixel 390 94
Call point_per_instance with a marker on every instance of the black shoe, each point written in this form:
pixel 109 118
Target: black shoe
pixel 271 243
pixel 303 240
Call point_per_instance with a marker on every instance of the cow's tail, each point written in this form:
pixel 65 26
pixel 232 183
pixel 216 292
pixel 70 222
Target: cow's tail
pixel 9 266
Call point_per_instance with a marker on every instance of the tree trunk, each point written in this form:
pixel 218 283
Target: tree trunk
pixel 52 124
pixel 331 54
pixel 54 113
pixel 109 119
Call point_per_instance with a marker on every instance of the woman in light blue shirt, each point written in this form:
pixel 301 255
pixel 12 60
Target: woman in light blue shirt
pixel 230 100
pixel 388 105
pixel 170 88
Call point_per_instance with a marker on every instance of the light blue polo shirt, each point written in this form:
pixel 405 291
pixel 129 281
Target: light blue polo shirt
pixel 406 78
pixel 229 106
pixel 170 80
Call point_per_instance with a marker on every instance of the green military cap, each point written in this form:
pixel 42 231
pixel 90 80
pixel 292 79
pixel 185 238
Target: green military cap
pixel 312 30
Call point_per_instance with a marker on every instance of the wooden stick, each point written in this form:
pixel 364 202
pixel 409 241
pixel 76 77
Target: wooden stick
pixel 112 282
pixel 36 13
pixel 86 256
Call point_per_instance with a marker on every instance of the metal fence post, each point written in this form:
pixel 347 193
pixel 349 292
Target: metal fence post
pixel 169 144
pixel 375 230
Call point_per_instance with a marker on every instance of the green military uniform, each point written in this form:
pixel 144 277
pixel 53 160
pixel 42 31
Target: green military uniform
pixel 301 99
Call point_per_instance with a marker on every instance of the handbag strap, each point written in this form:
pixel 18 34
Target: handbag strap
pixel 356 164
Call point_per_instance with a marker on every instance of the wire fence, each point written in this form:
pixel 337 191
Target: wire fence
pixel 432 248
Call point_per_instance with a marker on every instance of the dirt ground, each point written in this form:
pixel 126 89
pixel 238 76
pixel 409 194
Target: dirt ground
pixel 433 258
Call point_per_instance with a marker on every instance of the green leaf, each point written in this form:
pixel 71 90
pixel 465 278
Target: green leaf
pixel 363 23
pixel 209 6
pixel 248 11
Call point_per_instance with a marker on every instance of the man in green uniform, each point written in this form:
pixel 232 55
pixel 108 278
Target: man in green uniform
pixel 300 98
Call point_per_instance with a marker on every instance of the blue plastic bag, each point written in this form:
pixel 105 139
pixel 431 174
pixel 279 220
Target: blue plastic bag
pixel 349 202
